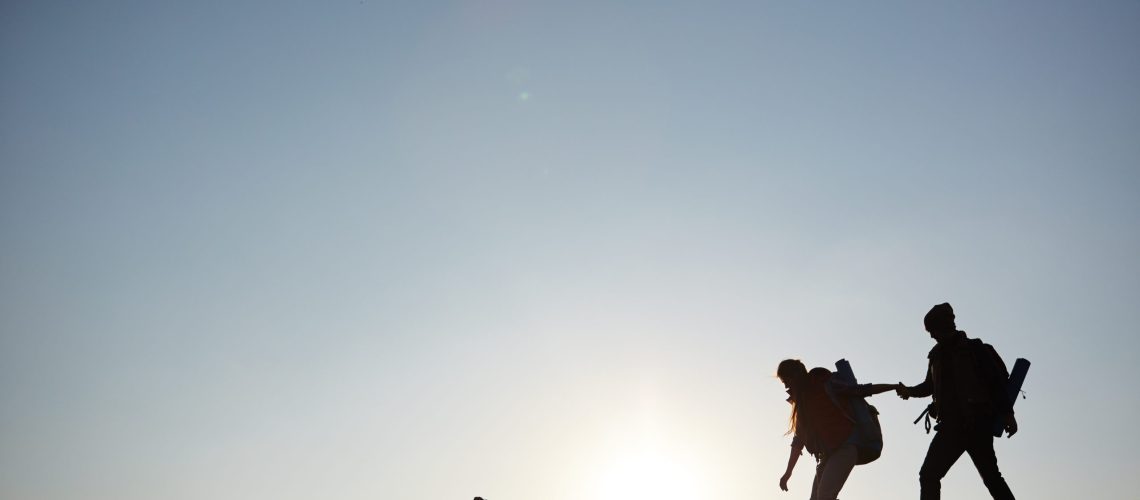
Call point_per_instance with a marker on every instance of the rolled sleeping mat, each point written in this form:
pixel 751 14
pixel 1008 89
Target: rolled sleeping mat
pixel 861 412
pixel 843 368
pixel 1012 387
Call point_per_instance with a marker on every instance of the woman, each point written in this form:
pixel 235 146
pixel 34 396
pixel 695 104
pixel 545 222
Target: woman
pixel 822 426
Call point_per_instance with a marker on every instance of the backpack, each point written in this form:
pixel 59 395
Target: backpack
pixel 999 385
pixel 869 438
pixel 991 378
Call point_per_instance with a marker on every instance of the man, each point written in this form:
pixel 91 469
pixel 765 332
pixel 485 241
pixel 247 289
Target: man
pixel 967 382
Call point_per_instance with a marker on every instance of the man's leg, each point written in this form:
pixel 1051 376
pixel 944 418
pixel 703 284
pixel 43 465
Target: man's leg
pixel 835 472
pixel 944 450
pixel 981 450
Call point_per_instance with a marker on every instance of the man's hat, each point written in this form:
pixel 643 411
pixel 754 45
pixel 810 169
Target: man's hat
pixel 941 314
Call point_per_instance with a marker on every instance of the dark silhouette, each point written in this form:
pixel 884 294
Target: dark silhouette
pixel 822 422
pixel 967 380
pixel 1012 388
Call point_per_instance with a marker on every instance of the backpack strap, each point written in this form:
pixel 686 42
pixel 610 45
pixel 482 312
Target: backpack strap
pixel 925 413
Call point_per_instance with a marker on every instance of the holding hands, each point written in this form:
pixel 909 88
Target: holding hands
pixel 902 391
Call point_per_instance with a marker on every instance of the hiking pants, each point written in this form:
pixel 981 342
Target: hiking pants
pixel 947 445
pixel 832 472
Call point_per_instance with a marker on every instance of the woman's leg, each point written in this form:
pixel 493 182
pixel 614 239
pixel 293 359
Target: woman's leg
pixel 815 482
pixel 833 473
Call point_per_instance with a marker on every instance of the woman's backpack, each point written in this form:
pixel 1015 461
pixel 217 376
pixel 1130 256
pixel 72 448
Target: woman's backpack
pixel 869 438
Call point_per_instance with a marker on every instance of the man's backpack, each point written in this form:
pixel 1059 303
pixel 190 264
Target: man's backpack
pixel 1004 385
pixel 1013 386
pixel 869 438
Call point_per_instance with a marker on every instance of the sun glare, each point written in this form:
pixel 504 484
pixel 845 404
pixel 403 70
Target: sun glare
pixel 647 475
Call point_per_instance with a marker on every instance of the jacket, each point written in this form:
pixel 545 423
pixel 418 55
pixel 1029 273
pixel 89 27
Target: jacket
pixel 966 380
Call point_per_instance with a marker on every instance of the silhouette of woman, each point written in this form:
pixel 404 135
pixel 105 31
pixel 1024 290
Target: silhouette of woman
pixel 820 423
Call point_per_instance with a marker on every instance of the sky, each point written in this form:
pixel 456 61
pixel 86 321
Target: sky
pixel 430 250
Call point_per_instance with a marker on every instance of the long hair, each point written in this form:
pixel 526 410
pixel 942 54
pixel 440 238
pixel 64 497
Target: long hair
pixel 792 373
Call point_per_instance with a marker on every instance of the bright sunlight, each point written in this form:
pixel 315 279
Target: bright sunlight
pixel 648 474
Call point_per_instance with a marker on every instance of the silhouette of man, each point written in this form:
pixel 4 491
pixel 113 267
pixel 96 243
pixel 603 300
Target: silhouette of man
pixel 967 382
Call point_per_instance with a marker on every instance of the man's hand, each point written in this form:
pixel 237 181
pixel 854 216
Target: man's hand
pixel 902 391
pixel 784 481
pixel 1010 425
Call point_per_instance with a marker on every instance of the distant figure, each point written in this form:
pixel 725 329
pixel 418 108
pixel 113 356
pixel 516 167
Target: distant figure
pixel 822 424
pixel 967 381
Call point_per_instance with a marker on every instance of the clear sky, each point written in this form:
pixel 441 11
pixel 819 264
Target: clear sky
pixel 527 250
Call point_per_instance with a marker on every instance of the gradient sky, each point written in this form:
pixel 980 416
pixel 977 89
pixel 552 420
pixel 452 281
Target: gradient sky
pixel 528 250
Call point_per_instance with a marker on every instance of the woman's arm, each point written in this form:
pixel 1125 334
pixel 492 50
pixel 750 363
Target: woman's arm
pixel 864 390
pixel 874 389
pixel 797 450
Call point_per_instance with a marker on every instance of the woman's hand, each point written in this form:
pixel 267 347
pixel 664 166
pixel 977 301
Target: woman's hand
pixel 784 481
